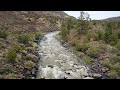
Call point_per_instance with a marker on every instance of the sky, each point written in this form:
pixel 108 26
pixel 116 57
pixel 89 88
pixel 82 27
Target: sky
pixel 95 14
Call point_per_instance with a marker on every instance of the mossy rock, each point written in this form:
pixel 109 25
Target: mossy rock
pixel 31 57
pixel 29 65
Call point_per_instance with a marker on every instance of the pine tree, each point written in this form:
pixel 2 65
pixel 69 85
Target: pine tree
pixel 108 33
pixel 84 19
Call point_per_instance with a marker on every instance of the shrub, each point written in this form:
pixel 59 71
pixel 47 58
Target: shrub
pixel 73 42
pixel 64 31
pixel 92 35
pixel 114 51
pixel 29 64
pixel 10 76
pixel 86 40
pixel 11 55
pixel 7 68
pixel 116 66
pixel 99 35
pixel 107 63
pixel 108 33
pixel 82 47
pixel 3 34
pixel 118 45
pixel 112 74
pixel 112 43
pixel 37 35
pixel 24 38
pixel 87 59
pixel 115 58
pixel 95 51
pixel 1 76
pixel 17 48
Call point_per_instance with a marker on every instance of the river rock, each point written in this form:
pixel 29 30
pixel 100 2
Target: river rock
pixel 61 76
pixel 97 76
pixel 88 78
pixel 51 66
pixel 33 71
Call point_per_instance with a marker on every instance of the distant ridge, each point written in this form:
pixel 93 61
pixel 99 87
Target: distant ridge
pixel 112 19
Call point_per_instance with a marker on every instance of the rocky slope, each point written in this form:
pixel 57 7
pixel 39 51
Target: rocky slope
pixel 19 31
pixel 32 20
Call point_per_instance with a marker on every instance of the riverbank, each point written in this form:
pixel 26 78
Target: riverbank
pixel 94 68
pixel 20 58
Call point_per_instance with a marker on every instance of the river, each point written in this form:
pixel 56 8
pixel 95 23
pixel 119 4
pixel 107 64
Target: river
pixel 57 62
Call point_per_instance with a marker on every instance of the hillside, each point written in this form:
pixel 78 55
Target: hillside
pixel 96 42
pixel 19 36
pixel 112 19
pixel 39 20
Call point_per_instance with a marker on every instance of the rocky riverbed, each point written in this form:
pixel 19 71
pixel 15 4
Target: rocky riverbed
pixel 56 62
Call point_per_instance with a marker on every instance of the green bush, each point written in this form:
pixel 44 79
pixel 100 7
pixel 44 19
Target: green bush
pixel 92 35
pixel 118 45
pixel 24 38
pixel 73 42
pixel 10 76
pixel 108 33
pixel 107 63
pixel 82 47
pixel 86 40
pixel 11 55
pixel 95 51
pixel 115 58
pixel 100 35
pixel 87 59
pixel 37 35
pixel 116 66
pixel 17 48
pixel 112 43
pixel 7 68
pixel 3 34
pixel 112 74
pixel 114 51
pixel 29 64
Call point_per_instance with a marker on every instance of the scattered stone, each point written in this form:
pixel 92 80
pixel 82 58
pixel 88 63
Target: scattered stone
pixel 97 76
pixel 51 66
pixel 67 72
pixel 24 52
pixel 33 71
pixel 61 76
pixel 88 78
pixel 32 77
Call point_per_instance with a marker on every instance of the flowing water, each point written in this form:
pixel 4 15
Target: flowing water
pixel 57 62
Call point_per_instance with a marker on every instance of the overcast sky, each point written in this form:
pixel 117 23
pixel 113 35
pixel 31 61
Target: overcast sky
pixel 96 14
